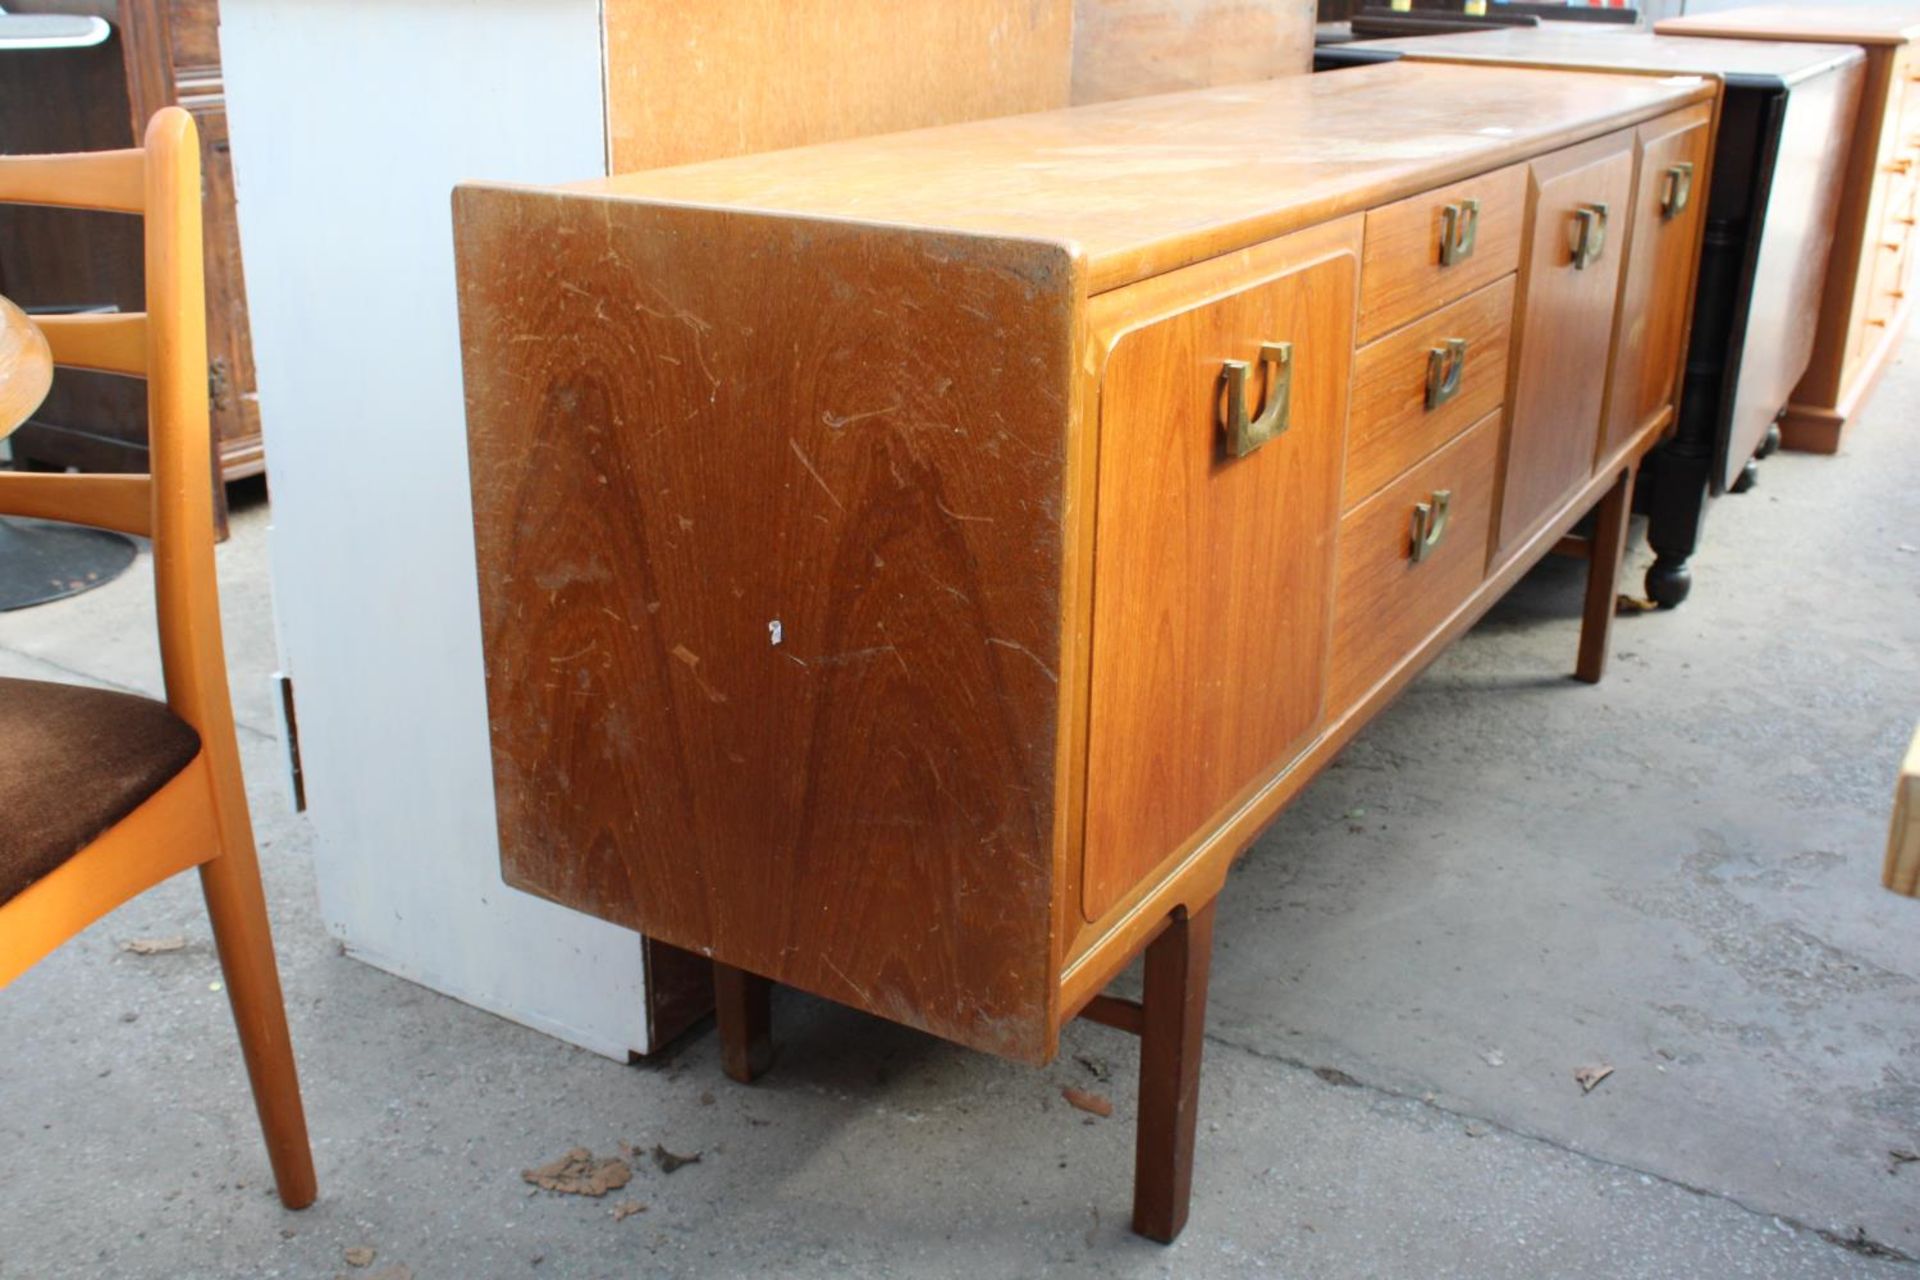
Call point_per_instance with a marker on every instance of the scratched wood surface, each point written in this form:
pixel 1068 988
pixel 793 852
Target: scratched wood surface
pixel 1151 184
pixel 769 514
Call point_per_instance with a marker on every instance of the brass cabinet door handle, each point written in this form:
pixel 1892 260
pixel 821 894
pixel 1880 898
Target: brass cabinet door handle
pixel 1588 234
pixel 1445 364
pixel 1430 523
pixel 1459 225
pixel 1677 192
pixel 1245 434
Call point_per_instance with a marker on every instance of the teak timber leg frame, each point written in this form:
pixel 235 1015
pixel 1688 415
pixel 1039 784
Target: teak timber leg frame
pixel 743 1010
pixel 1605 552
pixel 1171 1021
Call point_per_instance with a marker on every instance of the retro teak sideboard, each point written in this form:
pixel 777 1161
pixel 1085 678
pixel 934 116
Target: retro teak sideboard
pixel 1763 260
pixel 913 568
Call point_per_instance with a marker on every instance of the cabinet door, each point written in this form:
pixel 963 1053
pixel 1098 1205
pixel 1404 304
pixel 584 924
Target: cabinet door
pixel 1213 572
pixel 1668 202
pixel 1577 229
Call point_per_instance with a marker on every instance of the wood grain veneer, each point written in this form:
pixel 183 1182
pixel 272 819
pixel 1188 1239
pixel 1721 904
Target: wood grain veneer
pixel 1404 276
pixel 1151 184
pixel 1559 368
pixel 1214 574
pixel 1392 426
pixel 944 406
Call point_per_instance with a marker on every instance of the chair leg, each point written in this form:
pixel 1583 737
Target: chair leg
pixel 743 1008
pixel 1606 551
pixel 1174 1023
pixel 238 906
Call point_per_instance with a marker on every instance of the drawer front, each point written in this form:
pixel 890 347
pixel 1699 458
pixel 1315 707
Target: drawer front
pixel 1422 253
pixel 1213 573
pixel 1424 384
pixel 1387 602
pixel 1667 207
pixel 1565 328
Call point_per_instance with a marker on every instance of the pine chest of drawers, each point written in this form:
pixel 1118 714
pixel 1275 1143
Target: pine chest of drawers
pixel 912 568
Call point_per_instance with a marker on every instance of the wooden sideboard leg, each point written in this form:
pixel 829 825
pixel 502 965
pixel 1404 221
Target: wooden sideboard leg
pixel 1607 549
pixel 1174 1023
pixel 743 1007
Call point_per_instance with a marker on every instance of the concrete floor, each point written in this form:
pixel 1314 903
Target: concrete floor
pixel 1508 877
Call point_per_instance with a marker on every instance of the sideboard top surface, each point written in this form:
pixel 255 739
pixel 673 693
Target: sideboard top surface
pixel 1149 184
pixel 1560 45
pixel 1886 24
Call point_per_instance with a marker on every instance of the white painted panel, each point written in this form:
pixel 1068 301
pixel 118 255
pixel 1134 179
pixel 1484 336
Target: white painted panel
pixel 351 122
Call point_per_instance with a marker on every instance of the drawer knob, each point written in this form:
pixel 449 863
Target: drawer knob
pixel 1676 191
pixel 1459 224
pixel 1245 433
pixel 1445 365
pixel 1587 237
pixel 1430 523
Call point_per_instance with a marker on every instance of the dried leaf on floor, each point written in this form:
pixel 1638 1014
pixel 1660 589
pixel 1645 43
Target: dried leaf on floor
pixel 1902 1155
pixel 669 1162
pixel 1476 1131
pixel 626 1209
pixel 360 1256
pixel 1334 1075
pixel 1628 605
pixel 154 946
pixel 1091 1103
pixel 1589 1077
pixel 577 1173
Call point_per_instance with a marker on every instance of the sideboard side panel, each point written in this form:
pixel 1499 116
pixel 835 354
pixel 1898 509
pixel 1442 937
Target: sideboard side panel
pixel 770 526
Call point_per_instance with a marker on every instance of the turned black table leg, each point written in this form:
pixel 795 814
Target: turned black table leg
pixel 1607 549
pixel 1174 1020
pixel 1675 475
pixel 743 1008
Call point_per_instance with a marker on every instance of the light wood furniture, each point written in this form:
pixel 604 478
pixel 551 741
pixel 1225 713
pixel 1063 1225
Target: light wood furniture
pixel 1763 263
pixel 26 367
pixel 1867 301
pixel 162 53
pixel 912 569
pixel 179 802
pixel 1132 48
pixel 1902 874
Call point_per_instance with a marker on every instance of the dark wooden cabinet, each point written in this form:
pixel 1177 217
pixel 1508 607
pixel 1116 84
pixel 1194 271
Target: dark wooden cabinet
pixel 162 52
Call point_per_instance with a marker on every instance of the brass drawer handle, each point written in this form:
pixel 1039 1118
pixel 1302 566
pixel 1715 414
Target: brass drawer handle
pixel 1588 235
pixel 1445 364
pixel 1459 225
pixel 1678 190
pixel 1430 523
pixel 1244 436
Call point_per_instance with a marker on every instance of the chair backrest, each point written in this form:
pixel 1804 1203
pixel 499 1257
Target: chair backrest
pixel 167 345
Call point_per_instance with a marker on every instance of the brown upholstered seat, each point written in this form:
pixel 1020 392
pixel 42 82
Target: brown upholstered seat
pixel 74 761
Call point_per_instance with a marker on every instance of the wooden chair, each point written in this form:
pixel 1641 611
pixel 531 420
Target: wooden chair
pixel 105 794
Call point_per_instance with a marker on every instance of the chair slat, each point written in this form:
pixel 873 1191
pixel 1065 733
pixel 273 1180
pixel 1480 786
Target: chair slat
pixel 114 180
pixel 115 342
pixel 121 502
